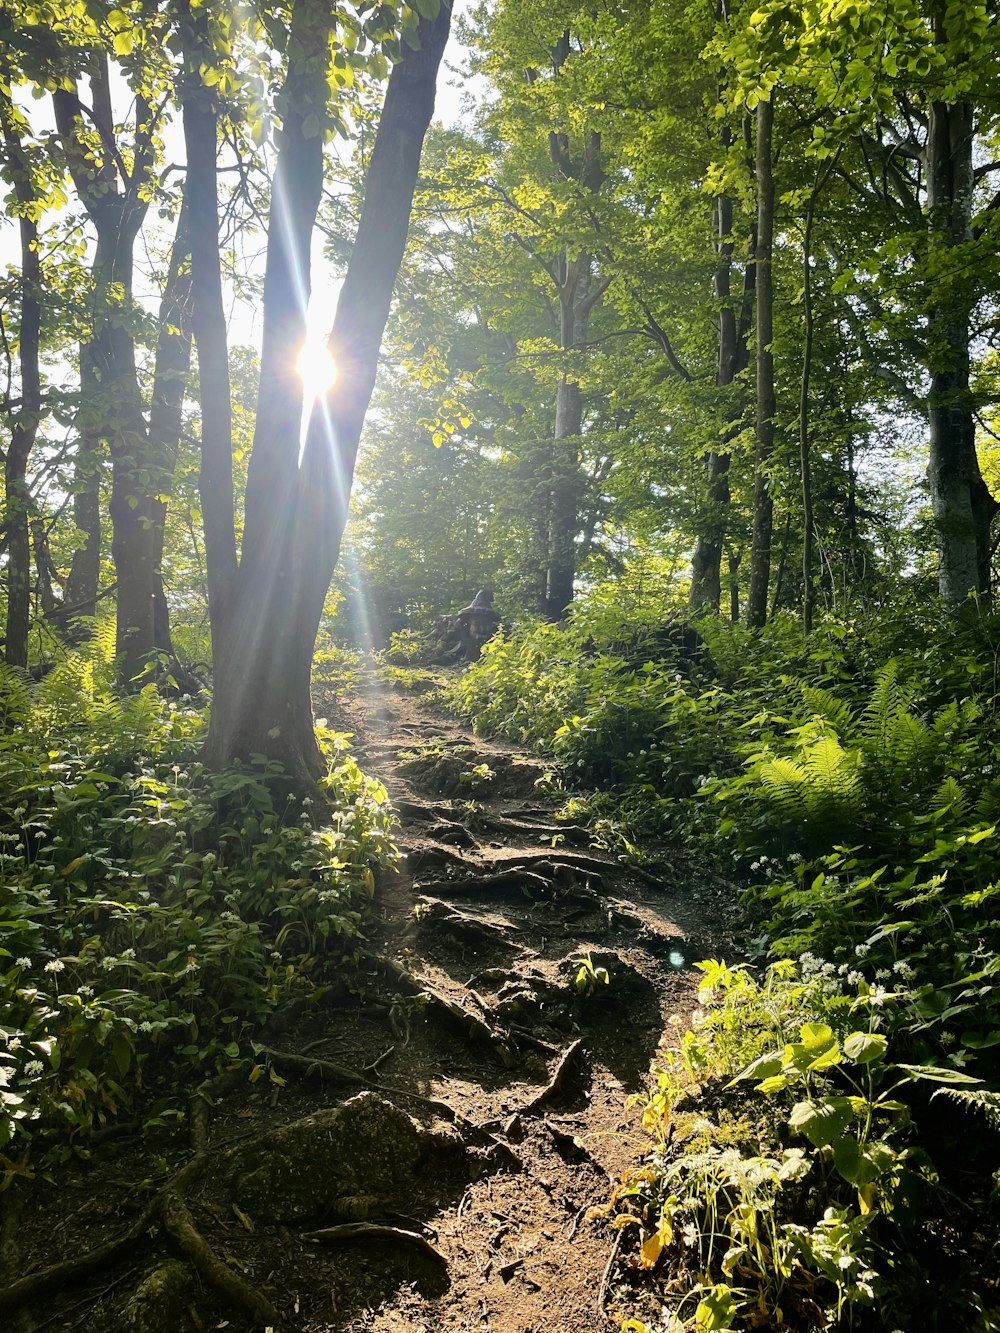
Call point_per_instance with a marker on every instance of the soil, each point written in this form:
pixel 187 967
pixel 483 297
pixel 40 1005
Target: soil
pixel 434 1149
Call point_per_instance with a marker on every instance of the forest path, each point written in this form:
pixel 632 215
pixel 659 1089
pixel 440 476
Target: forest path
pixel 495 910
pixel 447 1113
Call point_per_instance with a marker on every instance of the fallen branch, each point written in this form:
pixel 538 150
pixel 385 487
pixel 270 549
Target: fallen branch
pixel 352 1231
pixel 555 1083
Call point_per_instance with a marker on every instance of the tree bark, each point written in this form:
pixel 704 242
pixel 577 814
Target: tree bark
pixel 734 356
pixel 763 506
pixel 963 506
pixel 108 364
pixel 170 372
pixel 292 537
pixel 24 423
pixel 201 133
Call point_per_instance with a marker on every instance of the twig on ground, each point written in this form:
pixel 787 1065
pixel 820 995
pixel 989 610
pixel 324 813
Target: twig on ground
pixel 351 1231
pixel 602 1291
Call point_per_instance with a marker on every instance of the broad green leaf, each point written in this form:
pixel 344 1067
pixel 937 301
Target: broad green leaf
pixel 821 1122
pixel 865 1048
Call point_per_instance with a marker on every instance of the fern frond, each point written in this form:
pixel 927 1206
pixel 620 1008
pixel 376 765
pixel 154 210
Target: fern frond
pixel 950 796
pixel 987 1104
pixel 825 704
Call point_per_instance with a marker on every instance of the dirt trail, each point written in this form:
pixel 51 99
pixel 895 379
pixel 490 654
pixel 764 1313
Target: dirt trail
pixel 426 1144
pixel 497 907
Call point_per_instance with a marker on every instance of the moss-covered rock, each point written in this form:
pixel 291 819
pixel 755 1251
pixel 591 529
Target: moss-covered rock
pixel 160 1302
pixel 321 1166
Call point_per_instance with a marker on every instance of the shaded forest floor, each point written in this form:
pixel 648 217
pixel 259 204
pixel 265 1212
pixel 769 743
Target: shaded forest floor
pixel 427 1145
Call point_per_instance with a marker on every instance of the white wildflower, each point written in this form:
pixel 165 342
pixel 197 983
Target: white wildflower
pixel 855 978
pixel 34 1067
pixel 55 965
pixel 878 995
pixel 22 962
pixel 862 949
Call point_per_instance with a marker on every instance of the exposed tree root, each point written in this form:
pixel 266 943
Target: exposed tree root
pixel 558 1079
pixel 468 1022
pixel 179 1224
pixel 502 879
pixel 55 1276
pixel 442 917
pixel 352 1231
pixel 202 1101
pixel 310 1067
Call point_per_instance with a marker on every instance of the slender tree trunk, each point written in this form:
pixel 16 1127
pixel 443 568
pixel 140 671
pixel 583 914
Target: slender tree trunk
pixel 201 132
pixel 171 367
pixel 564 494
pixel 963 507
pixel 805 451
pixel 262 703
pixel 763 506
pixel 24 425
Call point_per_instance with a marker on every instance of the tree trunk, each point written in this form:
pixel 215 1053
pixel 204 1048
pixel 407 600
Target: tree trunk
pixel 201 133
pixel 963 507
pixel 564 471
pixel 170 372
pixel 108 368
pixel 734 356
pixel 763 506
pixel 292 537
pixel 24 424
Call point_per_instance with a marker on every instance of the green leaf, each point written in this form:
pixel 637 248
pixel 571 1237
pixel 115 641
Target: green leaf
pixel 822 1122
pixel 934 1074
pixel 865 1048
pixel 716 1311
pixel 763 1067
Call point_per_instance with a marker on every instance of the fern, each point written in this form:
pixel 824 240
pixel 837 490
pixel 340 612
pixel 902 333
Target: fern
pixel 987 1104
pixel 825 704
pixel 15 698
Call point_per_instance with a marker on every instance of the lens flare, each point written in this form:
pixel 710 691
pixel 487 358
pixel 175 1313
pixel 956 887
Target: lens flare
pixel 317 369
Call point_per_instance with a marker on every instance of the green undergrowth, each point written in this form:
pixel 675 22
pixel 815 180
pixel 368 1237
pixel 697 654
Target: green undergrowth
pixel 848 782
pixel 152 913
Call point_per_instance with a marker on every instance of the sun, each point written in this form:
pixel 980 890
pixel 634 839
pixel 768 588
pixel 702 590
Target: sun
pixel 316 367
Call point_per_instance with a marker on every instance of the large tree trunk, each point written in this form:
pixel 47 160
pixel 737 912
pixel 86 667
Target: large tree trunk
pixel 24 425
pixel 963 507
pixel 292 536
pixel 763 505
